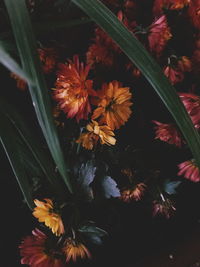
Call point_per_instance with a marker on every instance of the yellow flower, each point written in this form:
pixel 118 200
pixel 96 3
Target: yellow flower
pixel 74 250
pixel 113 105
pixel 96 132
pixel 44 212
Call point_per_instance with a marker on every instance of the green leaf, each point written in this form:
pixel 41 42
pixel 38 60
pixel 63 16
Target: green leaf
pixel 12 145
pixel 92 233
pixel 171 186
pixel 27 48
pixel 84 174
pixel 41 158
pixel 148 66
pixel 9 62
pixel 109 187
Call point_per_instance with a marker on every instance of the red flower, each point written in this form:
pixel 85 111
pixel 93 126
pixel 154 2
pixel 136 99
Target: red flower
pixel 35 253
pixel 168 133
pixel 73 89
pixel 159 34
pixel 163 207
pixel 189 170
pixel 159 5
pixel 194 12
pixel 173 75
pixel 48 57
pixel 192 105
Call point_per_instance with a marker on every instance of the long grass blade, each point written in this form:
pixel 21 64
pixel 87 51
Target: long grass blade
pixel 26 45
pixel 148 66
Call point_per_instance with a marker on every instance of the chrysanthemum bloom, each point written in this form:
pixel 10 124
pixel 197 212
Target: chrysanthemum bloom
pixel 74 250
pixel 36 253
pixel 48 57
pixel 192 105
pixel 113 105
pixel 44 212
pixel 163 207
pixel 135 193
pixel 168 133
pixel 159 5
pixel 104 49
pixel 173 75
pixel 21 84
pixel 159 34
pixel 194 12
pixel 73 89
pixel 184 64
pixel 95 133
pixel 189 170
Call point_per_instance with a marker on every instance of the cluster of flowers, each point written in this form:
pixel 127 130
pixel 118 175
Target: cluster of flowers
pixel 44 250
pixel 101 110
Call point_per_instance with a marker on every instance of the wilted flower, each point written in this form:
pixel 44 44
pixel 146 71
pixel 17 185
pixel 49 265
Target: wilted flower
pixel 189 170
pixel 192 105
pixel 164 207
pixel 74 250
pixel 73 89
pixel 48 57
pixel 21 84
pixel 36 253
pixel 113 105
pixel 45 212
pixel 96 132
pixel 159 5
pixel 159 34
pixel 135 193
pixel 168 132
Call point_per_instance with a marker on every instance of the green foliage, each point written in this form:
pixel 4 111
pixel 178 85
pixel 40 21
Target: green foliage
pixel 26 45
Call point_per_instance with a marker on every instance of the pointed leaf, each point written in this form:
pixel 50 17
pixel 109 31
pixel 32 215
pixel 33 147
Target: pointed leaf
pixel 27 48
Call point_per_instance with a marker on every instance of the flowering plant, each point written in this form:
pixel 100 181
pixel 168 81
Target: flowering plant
pixel 90 99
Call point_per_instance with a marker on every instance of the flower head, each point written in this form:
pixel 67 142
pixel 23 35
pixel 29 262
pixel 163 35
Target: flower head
pixel 21 84
pixel 189 170
pixel 163 207
pixel 192 105
pixel 44 212
pixel 36 253
pixel 113 105
pixel 96 132
pixel 73 89
pixel 168 133
pixel 135 193
pixel 48 57
pixel 159 34
pixel 74 249
pixel 159 5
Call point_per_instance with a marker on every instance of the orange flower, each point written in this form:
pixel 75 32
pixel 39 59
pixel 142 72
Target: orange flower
pixel 184 64
pixel 74 250
pixel 35 253
pixel 95 133
pixel 73 89
pixel 44 212
pixel 135 193
pixel 48 57
pixel 21 84
pixel 113 105
pixel 159 5
pixel 159 34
